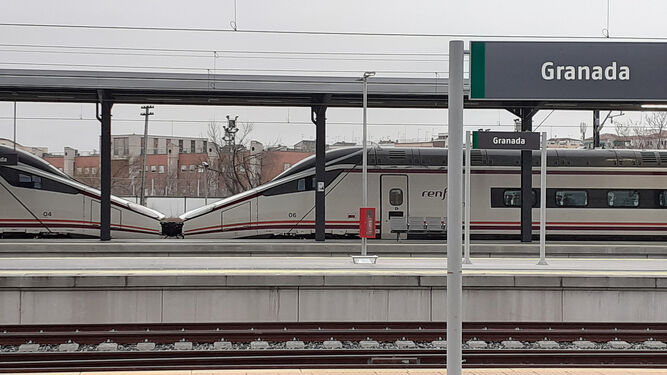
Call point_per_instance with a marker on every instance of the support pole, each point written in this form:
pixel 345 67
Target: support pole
pixel 318 117
pixel 596 129
pixel 454 209
pixel 144 152
pixel 526 181
pixel 467 203
pixel 364 158
pixel 105 167
pixel 543 200
pixel 14 125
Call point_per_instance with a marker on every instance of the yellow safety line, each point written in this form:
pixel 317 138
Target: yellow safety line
pixel 325 272
pixel 341 257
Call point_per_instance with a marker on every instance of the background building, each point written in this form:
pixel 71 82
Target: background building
pixel 39 151
pixel 177 166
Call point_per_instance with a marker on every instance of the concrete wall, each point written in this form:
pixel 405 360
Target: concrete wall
pixel 127 299
pixel 173 206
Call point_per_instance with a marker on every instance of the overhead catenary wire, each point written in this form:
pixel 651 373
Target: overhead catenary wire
pixel 209 51
pixel 319 32
pixel 237 55
pixel 206 69
pixel 271 122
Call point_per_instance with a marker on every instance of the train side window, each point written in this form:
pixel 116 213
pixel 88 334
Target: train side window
pixel 663 198
pixel 571 198
pixel 396 197
pixel 623 198
pixel 301 184
pixel 512 198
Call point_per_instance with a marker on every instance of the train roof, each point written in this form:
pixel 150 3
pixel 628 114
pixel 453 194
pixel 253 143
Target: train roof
pixel 33 161
pixel 438 157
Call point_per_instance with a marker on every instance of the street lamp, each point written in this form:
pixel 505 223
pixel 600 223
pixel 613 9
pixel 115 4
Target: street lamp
pixel 364 158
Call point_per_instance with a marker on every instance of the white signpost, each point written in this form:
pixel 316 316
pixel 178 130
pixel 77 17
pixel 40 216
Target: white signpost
pixel 503 141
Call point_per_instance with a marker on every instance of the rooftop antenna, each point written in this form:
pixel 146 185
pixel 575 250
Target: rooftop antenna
pixel 605 31
pixel 232 23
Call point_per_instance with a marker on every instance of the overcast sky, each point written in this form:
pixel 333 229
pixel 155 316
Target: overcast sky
pixel 424 55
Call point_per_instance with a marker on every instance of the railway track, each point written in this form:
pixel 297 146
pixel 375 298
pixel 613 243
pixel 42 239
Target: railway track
pixel 383 352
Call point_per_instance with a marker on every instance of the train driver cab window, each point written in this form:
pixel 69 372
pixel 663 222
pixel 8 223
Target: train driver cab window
pixel 512 198
pixel 396 197
pixel 301 184
pixel 663 199
pixel 571 198
pixel 623 198
pixel 30 181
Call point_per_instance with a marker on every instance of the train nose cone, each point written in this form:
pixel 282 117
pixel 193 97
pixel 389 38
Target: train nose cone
pixel 172 228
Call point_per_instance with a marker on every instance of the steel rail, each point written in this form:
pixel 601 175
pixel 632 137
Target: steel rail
pixel 316 332
pixel 263 359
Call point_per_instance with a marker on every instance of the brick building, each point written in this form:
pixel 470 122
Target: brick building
pixel 174 165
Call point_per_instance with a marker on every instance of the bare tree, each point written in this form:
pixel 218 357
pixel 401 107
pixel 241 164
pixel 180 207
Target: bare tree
pixel 624 128
pixel 648 132
pixel 656 124
pixel 236 166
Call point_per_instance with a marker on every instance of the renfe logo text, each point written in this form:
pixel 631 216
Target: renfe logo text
pixel 611 72
pixel 435 193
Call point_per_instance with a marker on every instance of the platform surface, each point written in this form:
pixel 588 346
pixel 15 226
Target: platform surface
pixel 499 371
pixel 392 266
pixel 283 247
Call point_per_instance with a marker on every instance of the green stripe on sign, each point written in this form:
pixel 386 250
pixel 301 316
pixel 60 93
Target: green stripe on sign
pixel 475 143
pixel 477 70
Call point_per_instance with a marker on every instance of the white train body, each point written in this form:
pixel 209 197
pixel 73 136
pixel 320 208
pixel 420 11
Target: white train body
pixel 38 199
pixel 590 193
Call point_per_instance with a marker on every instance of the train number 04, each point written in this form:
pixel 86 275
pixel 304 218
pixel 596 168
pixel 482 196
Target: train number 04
pixel 47 214
pixel 291 214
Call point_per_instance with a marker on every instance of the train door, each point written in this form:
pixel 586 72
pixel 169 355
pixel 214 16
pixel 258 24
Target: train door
pixel 116 215
pixel 237 221
pixel 393 201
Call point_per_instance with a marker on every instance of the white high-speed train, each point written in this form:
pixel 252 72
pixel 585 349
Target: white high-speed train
pixel 36 199
pixel 602 194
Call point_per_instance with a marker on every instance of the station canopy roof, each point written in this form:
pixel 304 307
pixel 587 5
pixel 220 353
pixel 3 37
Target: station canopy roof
pixel 251 90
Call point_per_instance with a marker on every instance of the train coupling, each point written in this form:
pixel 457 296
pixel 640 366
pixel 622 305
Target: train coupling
pixel 172 227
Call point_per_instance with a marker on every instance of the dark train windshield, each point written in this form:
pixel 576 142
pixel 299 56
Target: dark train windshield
pixel 33 161
pixel 309 162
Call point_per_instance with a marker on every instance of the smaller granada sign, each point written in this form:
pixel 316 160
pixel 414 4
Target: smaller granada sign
pixel 506 140
pixel 568 71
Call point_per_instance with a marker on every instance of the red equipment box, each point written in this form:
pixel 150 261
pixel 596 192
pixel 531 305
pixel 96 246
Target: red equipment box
pixel 367 222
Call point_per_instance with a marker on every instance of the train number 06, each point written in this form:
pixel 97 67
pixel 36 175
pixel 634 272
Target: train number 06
pixel 291 214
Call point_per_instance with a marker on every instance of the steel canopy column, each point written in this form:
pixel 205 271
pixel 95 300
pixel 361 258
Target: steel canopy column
pixel 596 128
pixel 526 180
pixel 105 166
pixel 318 117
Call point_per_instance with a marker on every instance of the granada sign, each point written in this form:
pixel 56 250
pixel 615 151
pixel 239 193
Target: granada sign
pixel 568 71
pixel 506 140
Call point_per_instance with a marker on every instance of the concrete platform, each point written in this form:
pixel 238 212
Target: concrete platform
pixel 209 289
pixel 365 371
pixel 433 248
